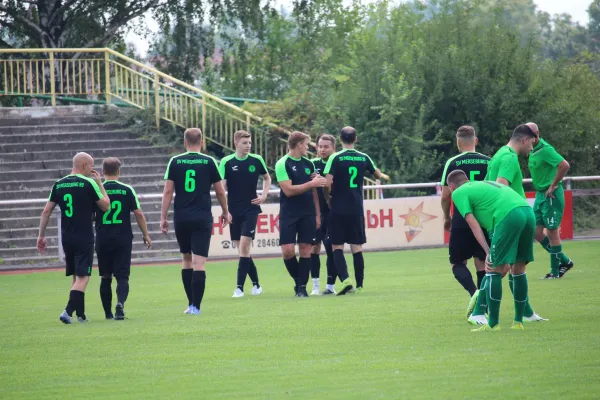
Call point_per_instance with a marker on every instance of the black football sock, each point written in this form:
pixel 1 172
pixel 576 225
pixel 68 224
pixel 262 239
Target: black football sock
pixel 480 276
pixel 73 296
pixel 198 286
pixel 244 265
pixel 253 273
pixel 464 277
pixel 359 268
pixel 315 265
pixel 292 267
pixel 186 277
pixel 303 271
pixel 331 271
pixel 106 296
pixel 340 264
pixel 122 290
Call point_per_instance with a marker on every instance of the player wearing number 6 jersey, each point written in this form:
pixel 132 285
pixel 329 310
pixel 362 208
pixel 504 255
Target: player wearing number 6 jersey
pixel 463 244
pixel 190 176
pixel 113 238
pixel 345 171
pixel 77 195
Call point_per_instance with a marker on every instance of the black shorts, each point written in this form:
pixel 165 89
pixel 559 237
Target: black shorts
pixel 347 229
pixel 114 260
pixel 194 236
pixel 463 246
pixel 304 229
pixel 322 232
pixel 79 257
pixel 243 225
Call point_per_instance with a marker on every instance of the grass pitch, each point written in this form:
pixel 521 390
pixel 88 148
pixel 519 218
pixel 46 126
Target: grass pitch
pixel 405 337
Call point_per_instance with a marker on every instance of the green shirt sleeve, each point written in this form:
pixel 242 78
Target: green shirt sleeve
pixel 371 165
pixel 329 166
pixel 280 170
pixel 445 173
pixel 551 156
pixel 136 201
pixel 222 165
pixel 509 166
pixel 168 171
pixel 262 162
pixel 52 196
pixel 461 201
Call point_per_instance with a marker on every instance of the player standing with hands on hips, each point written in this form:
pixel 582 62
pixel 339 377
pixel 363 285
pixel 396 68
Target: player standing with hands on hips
pixel 190 176
pixel 77 195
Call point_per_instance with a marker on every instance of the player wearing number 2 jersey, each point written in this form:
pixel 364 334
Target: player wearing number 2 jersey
pixel 463 245
pixel 113 238
pixel 190 176
pixel 345 171
pixel 76 195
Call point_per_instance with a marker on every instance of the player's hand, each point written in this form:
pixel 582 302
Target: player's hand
pixel 385 177
pixel 318 221
pixel 447 224
pixel 318 181
pixel 550 191
pixel 164 226
pixel 147 241
pixel 225 219
pixel 259 200
pixel 312 176
pixel 96 176
pixel 42 243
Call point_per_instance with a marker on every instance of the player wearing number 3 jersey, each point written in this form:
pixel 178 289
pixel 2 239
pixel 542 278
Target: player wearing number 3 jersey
pixel 345 171
pixel 113 237
pixel 77 195
pixel 190 176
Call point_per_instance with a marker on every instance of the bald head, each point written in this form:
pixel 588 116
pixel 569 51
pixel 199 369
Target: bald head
pixel 83 163
pixel 533 126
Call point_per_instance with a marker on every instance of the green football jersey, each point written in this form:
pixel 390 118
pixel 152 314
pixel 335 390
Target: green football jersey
pixel 505 164
pixel 488 201
pixel 543 162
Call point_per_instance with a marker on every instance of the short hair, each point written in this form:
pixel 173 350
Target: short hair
pixel 523 131
pixel 327 136
pixel 348 135
pixel 466 132
pixel 193 136
pixel 296 138
pixel 111 166
pixel 237 136
pixel 456 178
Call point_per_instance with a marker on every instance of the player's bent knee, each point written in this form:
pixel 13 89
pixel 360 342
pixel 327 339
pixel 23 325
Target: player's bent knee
pixel 355 248
pixel 304 249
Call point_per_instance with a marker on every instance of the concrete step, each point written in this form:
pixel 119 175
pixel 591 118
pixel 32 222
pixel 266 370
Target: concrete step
pixel 79 144
pixel 23 131
pixel 66 163
pixel 51 120
pixel 121 152
pixel 12 243
pixel 43 193
pixel 127 171
pixel 45 112
pixel 33 184
pixel 30 232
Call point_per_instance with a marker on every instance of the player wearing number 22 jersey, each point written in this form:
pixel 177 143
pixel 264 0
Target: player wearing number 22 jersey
pixel 113 238
pixel 345 171
pixel 190 177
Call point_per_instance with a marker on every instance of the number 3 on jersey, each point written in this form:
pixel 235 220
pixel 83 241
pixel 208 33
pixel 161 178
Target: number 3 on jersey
pixel 116 207
pixel 353 172
pixel 190 181
pixel 69 205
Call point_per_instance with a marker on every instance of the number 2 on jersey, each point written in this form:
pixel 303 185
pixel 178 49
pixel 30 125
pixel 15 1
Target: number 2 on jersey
pixel 353 172
pixel 117 207
pixel 69 205
pixel 190 181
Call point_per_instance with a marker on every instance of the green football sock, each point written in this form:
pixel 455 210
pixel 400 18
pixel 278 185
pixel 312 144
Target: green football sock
pixel 528 310
pixel 481 304
pixel 555 253
pixel 546 244
pixel 564 259
pixel 494 297
pixel 520 295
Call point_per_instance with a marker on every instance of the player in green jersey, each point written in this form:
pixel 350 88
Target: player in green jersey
pixel 498 209
pixel 504 168
pixel 548 168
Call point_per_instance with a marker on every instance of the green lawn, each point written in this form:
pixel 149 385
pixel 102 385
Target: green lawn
pixel 404 338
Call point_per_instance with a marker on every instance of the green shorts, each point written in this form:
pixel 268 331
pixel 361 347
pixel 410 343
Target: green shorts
pixel 549 210
pixel 513 237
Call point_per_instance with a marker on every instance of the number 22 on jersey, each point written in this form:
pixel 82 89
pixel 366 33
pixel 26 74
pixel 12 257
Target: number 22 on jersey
pixel 116 207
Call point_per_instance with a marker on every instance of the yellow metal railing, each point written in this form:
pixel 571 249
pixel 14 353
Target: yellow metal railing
pixel 104 74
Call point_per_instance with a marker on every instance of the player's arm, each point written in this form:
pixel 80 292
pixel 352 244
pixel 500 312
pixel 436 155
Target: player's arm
pixel 477 232
pixel 41 240
pixel 380 175
pixel 561 171
pixel 446 200
pixel 317 207
pixel 167 197
pixel 508 170
pixel 327 188
pixel 265 190
pixel 295 190
pixel 104 202
pixel 222 199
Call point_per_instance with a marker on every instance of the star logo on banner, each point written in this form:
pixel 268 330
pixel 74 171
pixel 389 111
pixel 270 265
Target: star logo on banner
pixel 415 220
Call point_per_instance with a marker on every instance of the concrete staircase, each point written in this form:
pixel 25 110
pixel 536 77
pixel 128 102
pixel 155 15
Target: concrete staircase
pixel 36 148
